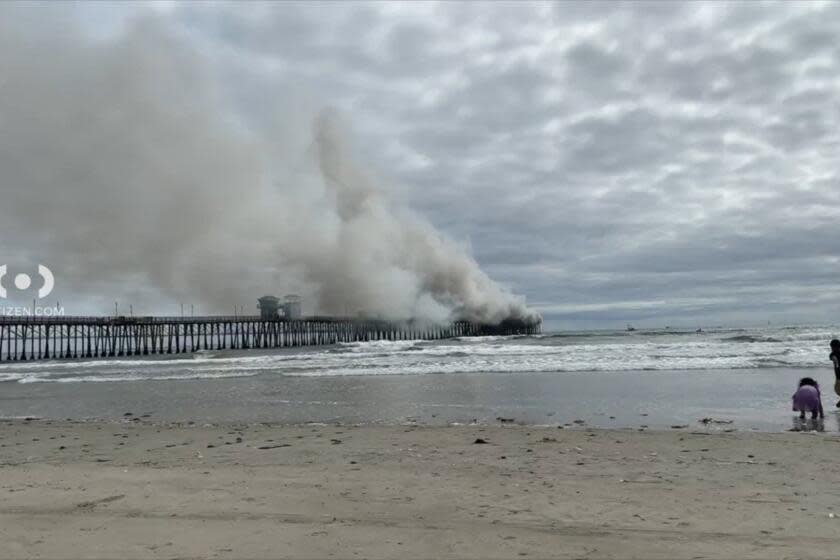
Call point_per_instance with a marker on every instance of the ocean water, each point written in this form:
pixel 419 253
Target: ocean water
pixel 653 378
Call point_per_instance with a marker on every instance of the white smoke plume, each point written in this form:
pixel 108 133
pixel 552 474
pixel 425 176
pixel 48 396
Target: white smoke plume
pixel 124 167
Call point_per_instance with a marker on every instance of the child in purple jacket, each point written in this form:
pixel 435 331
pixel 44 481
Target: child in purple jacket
pixel 807 398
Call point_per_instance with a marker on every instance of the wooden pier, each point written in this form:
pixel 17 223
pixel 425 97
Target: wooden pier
pixel 45 338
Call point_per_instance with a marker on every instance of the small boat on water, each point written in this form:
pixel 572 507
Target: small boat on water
pixel 630 328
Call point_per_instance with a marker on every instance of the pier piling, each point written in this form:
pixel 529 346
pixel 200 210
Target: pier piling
pixel 45 338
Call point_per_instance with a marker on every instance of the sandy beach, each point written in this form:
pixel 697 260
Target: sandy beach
pixel 140 489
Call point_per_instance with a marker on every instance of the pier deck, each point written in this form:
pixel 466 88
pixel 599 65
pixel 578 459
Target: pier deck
pixel 44 338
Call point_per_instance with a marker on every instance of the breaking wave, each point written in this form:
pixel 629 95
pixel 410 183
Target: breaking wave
pixel 749 338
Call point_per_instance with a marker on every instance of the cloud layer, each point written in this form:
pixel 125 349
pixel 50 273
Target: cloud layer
pixel 660 163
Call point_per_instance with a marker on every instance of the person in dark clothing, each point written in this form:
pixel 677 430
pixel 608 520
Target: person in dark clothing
pixel 835 359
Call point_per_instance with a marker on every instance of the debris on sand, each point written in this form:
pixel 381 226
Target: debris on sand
pixel 93 503
pixel 714 421
pixel 480 440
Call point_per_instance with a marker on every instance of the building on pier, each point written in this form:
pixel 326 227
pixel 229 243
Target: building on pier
pixel 291 307
pixel 269 307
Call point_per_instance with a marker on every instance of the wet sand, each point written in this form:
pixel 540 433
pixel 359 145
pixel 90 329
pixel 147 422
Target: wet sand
pixel 138 489
pixel 752 399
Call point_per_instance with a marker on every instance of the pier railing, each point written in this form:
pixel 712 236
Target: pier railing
pixel 42 338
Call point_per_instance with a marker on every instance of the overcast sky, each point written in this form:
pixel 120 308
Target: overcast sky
pixel 653 163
